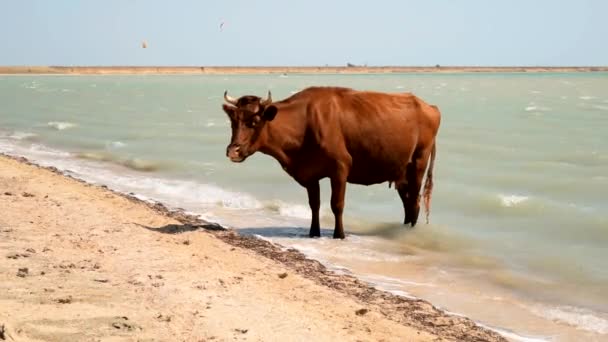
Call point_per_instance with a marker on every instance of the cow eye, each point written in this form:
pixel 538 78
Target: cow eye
pixel 253 122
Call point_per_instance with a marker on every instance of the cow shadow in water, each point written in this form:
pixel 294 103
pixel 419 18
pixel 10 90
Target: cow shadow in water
pixel 384 230
pixel 267 232
pixel 283 232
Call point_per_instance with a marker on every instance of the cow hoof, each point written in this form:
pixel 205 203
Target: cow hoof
pixel 314 232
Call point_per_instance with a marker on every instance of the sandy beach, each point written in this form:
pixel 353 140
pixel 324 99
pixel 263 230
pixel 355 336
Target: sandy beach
pixel 80 262
pixel 213 70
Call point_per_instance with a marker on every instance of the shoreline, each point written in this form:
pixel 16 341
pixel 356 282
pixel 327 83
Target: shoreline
pixel 412 313
pixel 253 70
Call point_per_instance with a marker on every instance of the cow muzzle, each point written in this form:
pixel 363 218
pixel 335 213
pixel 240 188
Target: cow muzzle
pixel 235 153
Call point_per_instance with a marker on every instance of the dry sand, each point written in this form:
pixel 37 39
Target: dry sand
pixel 168 70
pixel 80 262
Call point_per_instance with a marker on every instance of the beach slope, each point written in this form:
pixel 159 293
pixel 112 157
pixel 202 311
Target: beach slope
pixel 79 262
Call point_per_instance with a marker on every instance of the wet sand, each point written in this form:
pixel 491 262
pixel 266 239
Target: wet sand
pixel 211 70
pixel 80 262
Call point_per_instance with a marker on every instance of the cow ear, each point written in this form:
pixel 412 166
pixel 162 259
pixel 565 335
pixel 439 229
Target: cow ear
pixel 270 113
pixel 229 110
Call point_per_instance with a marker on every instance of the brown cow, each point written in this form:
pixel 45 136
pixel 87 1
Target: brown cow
pixel 359 137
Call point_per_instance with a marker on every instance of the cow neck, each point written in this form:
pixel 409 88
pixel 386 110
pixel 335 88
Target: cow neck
pixel 283 135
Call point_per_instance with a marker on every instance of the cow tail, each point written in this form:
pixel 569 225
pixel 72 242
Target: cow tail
pixel 428 185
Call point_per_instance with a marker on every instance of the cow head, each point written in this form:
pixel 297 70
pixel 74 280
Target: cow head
pixel 248 116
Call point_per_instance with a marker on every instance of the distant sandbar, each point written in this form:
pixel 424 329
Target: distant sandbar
pixel 211 70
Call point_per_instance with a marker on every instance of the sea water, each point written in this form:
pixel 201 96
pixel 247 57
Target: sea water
pixel 518 233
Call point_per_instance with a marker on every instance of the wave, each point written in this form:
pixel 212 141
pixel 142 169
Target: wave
pixel 487 205
pixel 61 125
pixel 535 108
pixel 586 97
pixel 115 144
pixel 511 335
pixel 193 195
pixel 289 210
pixel 500 204
pixel 600 107
pixel 509 201
pixel 31 85
pixel 17 135
pixel 577 317
pixel 137 164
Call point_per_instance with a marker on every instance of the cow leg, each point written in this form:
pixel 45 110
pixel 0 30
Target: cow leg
pixel 402 189
pixel 314 200
pixel 338 189
pixel 415 173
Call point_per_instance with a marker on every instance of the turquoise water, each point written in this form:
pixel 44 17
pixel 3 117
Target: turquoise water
pixel 519 220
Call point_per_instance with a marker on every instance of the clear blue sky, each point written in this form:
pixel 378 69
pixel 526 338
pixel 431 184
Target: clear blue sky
pixel 310 32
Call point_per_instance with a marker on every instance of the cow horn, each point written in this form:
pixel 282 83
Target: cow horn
pixel 229 98
pixel 268 100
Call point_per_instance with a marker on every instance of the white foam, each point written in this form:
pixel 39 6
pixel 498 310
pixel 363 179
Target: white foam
pixel 513 336
pixel 290 210
pixel 32 85
pixel 266 239
pixel 535 108
pixel 505 333
pixel 61 125
pixel 236 200
pixel 21 135
pixel 399 87
pixel 210 124
pixel 294 210
pixel 395 281
pixel 580 318
pixel 600 107
pixel 402 294
pixel 116 144
pixel 43 151
pixel 511 200
pixel 586 97
pixel 188 194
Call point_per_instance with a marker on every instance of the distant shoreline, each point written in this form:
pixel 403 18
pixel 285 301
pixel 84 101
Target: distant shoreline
pixel 215 70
